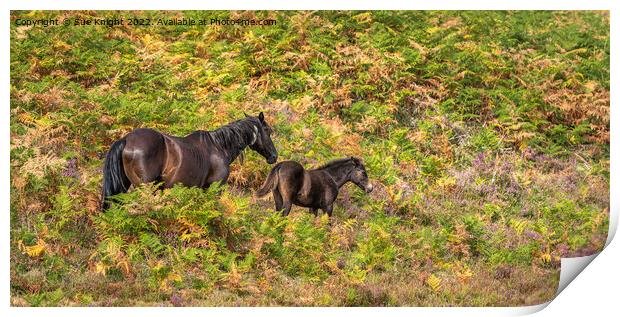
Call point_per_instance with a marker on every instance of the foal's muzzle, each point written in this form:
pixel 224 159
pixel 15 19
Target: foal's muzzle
pixel 369 188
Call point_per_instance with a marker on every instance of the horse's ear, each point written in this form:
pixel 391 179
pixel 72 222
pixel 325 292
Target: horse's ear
pixel 355 160
pixel 246 115
pixel 261 117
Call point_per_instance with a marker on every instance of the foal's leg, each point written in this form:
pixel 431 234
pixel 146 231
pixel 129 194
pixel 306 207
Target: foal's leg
pixel 287 207
pixel 282 203
pixel 277 198
pixel 329 209
pixel 288 193
pixel 315 211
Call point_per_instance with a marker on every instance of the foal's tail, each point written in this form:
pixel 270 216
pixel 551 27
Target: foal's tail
pixel 114 179
pixel 270 183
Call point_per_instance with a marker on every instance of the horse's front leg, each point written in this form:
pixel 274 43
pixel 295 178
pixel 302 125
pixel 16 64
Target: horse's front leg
pixel 315 211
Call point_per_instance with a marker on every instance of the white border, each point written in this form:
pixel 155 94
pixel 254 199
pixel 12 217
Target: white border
pixel 319 5
pixel 579 296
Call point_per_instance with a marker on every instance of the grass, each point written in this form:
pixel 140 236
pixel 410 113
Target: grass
pixel 485 133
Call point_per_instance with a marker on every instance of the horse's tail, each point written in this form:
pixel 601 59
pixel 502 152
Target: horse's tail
pixel 114 179
pixel 270 183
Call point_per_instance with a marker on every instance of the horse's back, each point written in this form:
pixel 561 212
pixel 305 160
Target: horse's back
pixel 290 170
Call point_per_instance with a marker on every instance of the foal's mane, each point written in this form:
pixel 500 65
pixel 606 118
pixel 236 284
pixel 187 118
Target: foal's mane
pixel 336 163
pixel 235 136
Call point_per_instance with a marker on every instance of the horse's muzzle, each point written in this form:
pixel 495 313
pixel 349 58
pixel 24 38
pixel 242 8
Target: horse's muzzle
pixel 272 159
pixel 369 188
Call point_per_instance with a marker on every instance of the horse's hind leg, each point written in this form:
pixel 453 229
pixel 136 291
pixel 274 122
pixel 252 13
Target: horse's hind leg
pixel 287 203
pixel 286 208
pixel 282 203
pixel 143 156
pixel 314 211
pixel 329 209
pixel 287 193
pixel 277 198
pixel 142 170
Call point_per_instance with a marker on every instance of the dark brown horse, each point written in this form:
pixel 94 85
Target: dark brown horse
pixel 316 189
pixel 199 159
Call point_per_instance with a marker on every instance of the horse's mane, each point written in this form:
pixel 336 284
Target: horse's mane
pixel 235 136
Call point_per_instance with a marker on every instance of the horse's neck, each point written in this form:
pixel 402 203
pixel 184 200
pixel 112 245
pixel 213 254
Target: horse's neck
pixel 231 148
pixel 339 174
pixel 234 153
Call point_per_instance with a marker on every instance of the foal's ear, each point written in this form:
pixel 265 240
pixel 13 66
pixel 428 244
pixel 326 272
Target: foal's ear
pixel 261 117
pixel 246 115
pixel 356 161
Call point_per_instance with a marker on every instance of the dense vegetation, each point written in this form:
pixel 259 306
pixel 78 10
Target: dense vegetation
pixel 486 135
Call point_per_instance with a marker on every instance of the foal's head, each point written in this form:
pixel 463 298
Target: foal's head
pixel 358 175
pixel 261 142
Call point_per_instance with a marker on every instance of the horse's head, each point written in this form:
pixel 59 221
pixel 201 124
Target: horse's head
pixel 262 140
pixel 358 175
